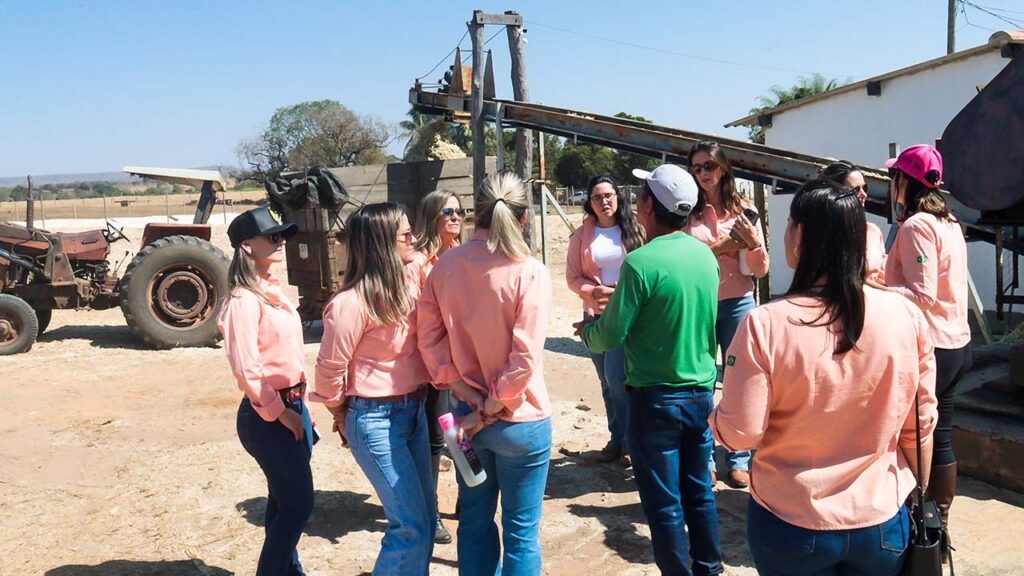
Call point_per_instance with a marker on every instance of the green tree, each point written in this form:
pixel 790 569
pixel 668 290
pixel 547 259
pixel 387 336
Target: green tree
pixel 625 162
pixel 806 86
pixel 579 163
pixel 318 133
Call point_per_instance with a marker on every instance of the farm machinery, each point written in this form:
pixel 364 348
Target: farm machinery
pixel 170 292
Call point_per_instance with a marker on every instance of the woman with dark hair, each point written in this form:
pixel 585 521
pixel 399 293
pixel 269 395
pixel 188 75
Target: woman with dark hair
pixel 370 376
pixel 827 384
pixel 928 265
pixel 263 341
pixel 485 342
pixel 846 174
pixel 438 228
pixel 718 221
pixel 596 252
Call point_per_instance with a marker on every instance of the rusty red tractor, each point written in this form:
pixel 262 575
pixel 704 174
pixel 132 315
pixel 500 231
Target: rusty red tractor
pixel 170 292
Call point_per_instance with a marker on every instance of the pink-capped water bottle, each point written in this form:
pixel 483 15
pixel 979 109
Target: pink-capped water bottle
pixel 465 458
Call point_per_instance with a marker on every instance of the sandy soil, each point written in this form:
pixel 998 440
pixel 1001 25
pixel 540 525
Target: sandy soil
pixel 119 460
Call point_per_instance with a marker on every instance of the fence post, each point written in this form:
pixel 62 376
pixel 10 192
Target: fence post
pixel 167 206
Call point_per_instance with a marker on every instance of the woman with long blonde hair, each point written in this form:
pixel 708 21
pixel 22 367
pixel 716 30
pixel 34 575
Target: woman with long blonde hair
pixel 263 341
pixel 370 376
pixel 485 342
pixel 438 228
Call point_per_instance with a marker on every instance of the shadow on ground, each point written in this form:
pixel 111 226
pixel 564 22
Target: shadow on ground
pixel 564 345
pixel 335 514
pixel 570 478
pixel 98 336
pixel 140 568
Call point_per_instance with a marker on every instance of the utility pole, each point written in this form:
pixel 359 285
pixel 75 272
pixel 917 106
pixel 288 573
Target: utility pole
pixel 524 138
pixel 951 26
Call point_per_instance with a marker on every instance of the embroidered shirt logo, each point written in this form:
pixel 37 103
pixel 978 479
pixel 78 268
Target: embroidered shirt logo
pixel 731 361
pixel 922 259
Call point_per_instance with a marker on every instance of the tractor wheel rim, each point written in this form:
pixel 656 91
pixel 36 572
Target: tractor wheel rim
pixel 182 295
pixel 8 330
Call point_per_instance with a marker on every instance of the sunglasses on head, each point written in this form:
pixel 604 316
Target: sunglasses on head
pixel 705 167
pixel 449 212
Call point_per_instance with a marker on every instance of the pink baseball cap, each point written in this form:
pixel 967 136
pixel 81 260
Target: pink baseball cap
pixel 922 163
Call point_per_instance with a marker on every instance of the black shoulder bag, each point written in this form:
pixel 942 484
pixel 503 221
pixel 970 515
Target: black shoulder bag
pixel 928 541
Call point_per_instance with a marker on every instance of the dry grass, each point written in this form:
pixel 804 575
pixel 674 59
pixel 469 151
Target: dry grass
pixel 120 207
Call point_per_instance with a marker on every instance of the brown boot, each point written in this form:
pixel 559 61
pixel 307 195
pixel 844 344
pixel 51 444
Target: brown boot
pixel 941 488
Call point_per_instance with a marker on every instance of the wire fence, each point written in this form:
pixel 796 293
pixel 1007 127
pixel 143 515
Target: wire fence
pixel 172 207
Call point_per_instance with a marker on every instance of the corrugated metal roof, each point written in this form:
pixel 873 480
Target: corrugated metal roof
pixel 995 42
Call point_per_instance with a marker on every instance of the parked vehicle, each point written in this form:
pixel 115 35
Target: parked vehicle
pixel 170 293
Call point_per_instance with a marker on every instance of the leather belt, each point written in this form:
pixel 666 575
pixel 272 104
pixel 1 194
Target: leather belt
pixel 420 392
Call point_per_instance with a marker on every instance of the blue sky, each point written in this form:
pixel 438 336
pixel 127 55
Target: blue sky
pixel 92 86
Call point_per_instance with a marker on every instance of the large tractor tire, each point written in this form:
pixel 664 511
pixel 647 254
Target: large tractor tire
pixel 173 290
pixel 18 325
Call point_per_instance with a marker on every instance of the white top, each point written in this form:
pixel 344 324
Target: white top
pixel 608 253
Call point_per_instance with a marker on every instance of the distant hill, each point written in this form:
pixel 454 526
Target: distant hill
pixel 113 177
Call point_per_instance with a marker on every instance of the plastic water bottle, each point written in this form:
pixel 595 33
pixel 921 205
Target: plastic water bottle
pixel 466 460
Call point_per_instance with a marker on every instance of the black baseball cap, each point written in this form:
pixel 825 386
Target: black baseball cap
pixel 260 221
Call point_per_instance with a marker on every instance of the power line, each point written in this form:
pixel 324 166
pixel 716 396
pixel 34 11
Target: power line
pixel 674 53
pixel 1004 10
pixel 1009 21
pixel 448 55
pixel 963 10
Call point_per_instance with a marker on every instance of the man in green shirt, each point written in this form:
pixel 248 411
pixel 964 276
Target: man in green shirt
pixel 664 309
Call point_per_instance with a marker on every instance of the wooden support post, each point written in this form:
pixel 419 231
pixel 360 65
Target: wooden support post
pixel 764 284
pixel 30 209
pixel 521 93
pixel 542 176
pixel 476 121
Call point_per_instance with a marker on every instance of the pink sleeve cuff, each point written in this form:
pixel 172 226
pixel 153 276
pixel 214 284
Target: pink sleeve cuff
pixel 271 411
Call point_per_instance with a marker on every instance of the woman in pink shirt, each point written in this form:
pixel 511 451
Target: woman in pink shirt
pixel 438 227
pixel 263 340
pixel 823 382
pixel 483 317
pixel 718 221
pixel 845 173
pixel 596 252
pixel 370 376
pixel 928 265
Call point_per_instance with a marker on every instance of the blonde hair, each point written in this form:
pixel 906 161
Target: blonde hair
pixel 428 241
pixel 503 202
pixel 242 274
pixel 374 269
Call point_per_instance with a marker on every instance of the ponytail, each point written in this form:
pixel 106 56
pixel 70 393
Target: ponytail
pixel 503 204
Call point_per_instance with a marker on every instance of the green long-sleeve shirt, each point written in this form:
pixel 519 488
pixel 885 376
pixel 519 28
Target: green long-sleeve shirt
pixel 664 309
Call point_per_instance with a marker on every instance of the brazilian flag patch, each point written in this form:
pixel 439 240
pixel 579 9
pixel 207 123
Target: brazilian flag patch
pixel 922 259
pixel 730 361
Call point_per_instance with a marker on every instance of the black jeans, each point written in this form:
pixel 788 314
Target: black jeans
pixel 437 406
pixel 950 365
pixel 285 463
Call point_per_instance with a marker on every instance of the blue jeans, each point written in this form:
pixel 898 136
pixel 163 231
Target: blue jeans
pixel 611 371
pixel 782 549
pixel 389 442
pixel 285 463
pixel 730 313
pixel 515 456
pixel 671 442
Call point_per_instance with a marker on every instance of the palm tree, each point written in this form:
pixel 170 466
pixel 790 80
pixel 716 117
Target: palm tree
pixel 806 86
pixel 417 127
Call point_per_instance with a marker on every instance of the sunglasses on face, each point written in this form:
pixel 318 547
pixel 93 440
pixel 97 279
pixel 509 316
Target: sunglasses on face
pixel 708 166
pixel 275 238
pixel 863 189
pixel 449 212
pixel 406 237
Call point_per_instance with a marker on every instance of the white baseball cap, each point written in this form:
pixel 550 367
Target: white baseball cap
pixel 672 186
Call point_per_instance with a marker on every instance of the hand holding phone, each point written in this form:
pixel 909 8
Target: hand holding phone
pixel 743 230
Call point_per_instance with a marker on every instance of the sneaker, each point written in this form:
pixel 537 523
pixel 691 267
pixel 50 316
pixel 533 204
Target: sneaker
pixel 441 534
pixel 609 453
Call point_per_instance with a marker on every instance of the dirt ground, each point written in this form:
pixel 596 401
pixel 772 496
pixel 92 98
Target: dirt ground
pixel 119 460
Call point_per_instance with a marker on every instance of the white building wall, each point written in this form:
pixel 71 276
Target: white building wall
pixel 912 109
